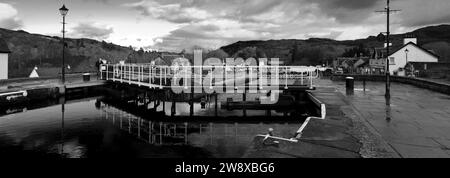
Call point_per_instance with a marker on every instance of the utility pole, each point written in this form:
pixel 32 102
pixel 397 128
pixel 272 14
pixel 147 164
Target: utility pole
pixel 388 12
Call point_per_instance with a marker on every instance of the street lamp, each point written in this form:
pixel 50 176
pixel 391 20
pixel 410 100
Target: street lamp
pixel 406 65
pixel 406 52
pixel 63 10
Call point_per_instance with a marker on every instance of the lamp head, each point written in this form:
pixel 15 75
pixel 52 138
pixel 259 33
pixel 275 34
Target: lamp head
pixel 63 10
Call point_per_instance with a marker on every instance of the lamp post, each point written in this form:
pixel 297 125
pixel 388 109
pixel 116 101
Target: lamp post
pixel 406 52
pixel 63 10
pixel 406 65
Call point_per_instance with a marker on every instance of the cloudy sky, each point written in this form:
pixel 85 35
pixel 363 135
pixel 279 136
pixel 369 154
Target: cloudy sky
pixel 181 24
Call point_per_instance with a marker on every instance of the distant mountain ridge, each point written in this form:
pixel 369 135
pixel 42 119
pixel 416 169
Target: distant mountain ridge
pixel 317 51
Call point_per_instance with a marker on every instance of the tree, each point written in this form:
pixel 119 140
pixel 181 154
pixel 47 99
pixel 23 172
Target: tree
pixel 141 51
pixel 358 51
pixel 221 54
pixel 295 55
pixel 248 52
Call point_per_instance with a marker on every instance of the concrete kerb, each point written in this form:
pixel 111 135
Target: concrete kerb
pixel 421 83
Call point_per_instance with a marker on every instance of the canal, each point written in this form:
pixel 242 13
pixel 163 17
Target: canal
pixel 101 125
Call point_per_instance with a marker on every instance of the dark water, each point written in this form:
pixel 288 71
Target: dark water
pixel 92 128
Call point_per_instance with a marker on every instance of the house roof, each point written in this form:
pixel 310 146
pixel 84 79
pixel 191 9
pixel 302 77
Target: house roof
pixel 166 59
pixel 4 47
pixel 414 44
pixel 361 62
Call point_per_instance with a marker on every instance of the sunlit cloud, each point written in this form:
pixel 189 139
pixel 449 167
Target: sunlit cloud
pixel 8 17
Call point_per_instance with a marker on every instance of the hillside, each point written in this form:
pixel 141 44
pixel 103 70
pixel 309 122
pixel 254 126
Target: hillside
pixel 45 52
pixel 316 51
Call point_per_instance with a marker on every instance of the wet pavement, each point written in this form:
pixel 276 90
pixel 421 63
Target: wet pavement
pixel 333 137
pixel 420 118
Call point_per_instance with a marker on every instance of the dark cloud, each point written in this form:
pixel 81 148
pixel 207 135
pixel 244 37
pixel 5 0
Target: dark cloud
pixel 176 12
pixel 348 11
pixel 347 4
pixel 218 22
pixel 417 13
pixel 90 30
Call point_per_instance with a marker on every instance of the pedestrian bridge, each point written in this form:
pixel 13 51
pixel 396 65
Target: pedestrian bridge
pixel 230 77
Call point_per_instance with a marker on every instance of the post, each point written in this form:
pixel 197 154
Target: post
pixel 364 84
pixel 164 102
pixel 349 85
pixel 165 76
pixel 139 75
pixel 224 78
pixel 216 106
pixel 192 96
pixel 388 73
pixel 160 78
pixel 186 132
pixel 150 131
pixel 150 75
pixel 63 75
pixel 286 79
pixel 173 108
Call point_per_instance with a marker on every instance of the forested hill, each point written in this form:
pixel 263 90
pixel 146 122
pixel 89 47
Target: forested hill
pixel 45 52
pixel 317 51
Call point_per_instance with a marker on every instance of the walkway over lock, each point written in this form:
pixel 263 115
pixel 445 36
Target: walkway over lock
pixel 237 77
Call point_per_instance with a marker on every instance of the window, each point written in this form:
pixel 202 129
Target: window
pixel 391 60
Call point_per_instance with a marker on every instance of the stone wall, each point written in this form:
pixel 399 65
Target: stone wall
pixel 421 83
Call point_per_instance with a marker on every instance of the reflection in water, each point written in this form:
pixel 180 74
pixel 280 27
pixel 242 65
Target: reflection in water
pixel 388 107
pixel 218 139
pixel 90 128
pixel 172 133
pixel 63 109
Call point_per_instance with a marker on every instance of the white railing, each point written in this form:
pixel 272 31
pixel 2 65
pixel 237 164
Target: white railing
pixel 160 76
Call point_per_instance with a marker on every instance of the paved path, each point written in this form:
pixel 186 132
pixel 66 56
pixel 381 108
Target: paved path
pixel 340 135
pixel 420 125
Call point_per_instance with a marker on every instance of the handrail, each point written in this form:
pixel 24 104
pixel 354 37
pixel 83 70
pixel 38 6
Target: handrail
pixel 139 73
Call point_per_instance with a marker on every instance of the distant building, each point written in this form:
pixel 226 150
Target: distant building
pixel 34 73
pixel 350 65
pixel 4 57
pixel 377 62
pixel 410 52
pixel 166 59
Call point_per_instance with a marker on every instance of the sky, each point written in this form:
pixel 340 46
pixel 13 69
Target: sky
pixel 174 25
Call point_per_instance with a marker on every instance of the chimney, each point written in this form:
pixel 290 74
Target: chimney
pixel 409 38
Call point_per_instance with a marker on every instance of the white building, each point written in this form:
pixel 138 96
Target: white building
pixel 409 52
pixel 4 55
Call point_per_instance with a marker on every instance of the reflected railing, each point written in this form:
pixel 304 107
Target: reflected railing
pixel 178 133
